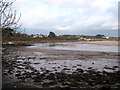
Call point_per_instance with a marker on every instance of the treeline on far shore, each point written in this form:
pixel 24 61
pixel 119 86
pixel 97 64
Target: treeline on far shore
pixel 9 34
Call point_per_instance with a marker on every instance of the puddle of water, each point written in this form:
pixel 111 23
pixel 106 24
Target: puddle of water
pixel 38 53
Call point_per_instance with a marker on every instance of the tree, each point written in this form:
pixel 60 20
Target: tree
pixel 100 36
pixel 8 17
pixel 7 33
pixel 52 35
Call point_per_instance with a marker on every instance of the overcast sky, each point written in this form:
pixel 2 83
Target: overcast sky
pixel 87 17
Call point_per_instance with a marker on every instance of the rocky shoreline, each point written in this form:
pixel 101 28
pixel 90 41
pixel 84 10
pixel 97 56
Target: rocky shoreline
pixel 18 71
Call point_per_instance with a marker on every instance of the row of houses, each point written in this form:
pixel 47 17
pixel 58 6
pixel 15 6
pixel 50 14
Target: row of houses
pixel 39 36
pixel 85 37
pixel 78 37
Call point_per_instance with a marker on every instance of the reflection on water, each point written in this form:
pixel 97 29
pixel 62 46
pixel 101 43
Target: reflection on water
pixel 82 47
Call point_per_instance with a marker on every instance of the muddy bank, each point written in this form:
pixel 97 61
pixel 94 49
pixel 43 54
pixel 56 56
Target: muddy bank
pixel 41 68
pixel 29 43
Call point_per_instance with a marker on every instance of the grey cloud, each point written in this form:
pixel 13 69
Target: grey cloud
pixel 91 19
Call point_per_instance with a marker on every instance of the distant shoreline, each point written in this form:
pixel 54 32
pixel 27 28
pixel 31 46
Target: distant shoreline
pixel 28 43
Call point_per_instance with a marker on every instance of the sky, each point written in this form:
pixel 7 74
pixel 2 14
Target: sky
pixel 79 17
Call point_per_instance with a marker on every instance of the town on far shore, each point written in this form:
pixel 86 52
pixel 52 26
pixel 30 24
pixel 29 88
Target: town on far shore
pixel 10 38
pixel 75 37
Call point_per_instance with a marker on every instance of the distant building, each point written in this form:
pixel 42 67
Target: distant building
pixel 107 37
pixel 38 36
pixel 45 35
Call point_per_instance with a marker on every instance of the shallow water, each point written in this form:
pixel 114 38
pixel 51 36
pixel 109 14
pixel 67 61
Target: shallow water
pixel 79 47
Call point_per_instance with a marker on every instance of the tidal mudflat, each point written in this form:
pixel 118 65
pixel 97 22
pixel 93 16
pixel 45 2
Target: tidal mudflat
pixel 41 66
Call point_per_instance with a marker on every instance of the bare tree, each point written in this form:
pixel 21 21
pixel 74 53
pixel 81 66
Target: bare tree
pixel 8 17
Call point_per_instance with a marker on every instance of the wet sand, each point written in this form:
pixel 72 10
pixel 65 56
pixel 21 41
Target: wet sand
pixel 97 42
